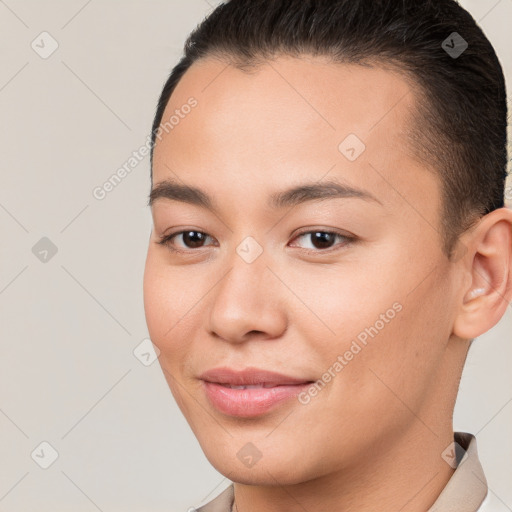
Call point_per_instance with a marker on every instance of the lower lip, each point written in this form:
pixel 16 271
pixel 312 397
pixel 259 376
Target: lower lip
pixel 248 403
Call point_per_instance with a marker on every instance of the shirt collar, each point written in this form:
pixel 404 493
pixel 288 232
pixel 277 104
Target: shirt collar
pixel 467 487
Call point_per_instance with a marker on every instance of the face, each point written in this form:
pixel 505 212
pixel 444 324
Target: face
pixel 341 288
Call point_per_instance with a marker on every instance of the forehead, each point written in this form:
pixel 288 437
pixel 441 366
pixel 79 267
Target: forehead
pixel 291 119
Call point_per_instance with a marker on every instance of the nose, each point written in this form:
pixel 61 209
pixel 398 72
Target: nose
pixel 248 302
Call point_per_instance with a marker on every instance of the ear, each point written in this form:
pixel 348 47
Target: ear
pixel 487 265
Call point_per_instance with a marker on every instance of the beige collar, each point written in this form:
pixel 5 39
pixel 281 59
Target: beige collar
pixel 467 488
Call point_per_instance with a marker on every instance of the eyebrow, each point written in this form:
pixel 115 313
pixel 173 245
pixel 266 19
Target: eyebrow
pixel 172 190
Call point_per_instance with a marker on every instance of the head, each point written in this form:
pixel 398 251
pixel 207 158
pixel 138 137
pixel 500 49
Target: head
pixel 329 205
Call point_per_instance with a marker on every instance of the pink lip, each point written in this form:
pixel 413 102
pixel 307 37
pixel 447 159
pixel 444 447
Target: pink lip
pixel 248 403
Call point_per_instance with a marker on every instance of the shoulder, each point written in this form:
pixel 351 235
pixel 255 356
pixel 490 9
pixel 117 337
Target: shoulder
pixel 221 503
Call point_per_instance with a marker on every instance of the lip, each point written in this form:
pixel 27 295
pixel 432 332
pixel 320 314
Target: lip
pixel 273 390
pixel 249 376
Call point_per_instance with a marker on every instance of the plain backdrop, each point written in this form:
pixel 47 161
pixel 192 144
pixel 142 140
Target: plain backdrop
pixel 71 267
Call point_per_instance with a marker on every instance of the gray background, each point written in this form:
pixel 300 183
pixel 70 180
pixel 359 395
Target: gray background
pixel 69 326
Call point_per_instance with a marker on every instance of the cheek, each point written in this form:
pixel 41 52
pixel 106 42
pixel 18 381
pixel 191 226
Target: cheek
pixel 383 320
pixel 173 304
pixel 164 301
pixel 154 298
pixel 399 360
pixel 343 301
pixel 163 312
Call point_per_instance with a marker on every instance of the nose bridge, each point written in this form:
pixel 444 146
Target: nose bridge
pixel 240 302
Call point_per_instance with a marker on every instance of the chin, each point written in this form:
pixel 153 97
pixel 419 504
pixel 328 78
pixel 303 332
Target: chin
pixel 269 472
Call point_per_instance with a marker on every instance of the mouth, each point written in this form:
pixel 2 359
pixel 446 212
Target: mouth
pixel 250 392
pixel 252 386
pixel 255 377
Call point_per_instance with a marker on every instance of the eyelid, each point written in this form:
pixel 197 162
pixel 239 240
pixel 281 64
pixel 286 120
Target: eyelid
pixel 320 229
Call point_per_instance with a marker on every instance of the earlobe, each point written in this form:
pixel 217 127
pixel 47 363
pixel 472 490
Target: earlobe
pixel 488 264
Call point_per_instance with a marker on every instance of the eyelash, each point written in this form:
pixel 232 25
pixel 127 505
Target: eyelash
pixel 165 241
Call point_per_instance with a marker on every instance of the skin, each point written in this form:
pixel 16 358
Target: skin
pixel 384 420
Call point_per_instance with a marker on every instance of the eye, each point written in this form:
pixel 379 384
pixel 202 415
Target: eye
pixel 323 240
pixel 319 240
pixel 191 239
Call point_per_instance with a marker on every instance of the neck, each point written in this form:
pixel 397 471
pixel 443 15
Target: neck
pixel 405 474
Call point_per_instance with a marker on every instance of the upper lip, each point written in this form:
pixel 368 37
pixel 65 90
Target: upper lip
pixel 249 376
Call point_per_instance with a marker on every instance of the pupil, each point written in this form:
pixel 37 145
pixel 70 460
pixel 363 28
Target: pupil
pixel 193 238
pixel 323 239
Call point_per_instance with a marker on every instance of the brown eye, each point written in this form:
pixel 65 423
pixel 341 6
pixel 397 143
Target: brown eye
pixel 191 239
pixel 322 240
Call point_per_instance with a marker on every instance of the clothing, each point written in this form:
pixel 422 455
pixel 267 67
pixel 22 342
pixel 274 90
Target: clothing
pixel 466 491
